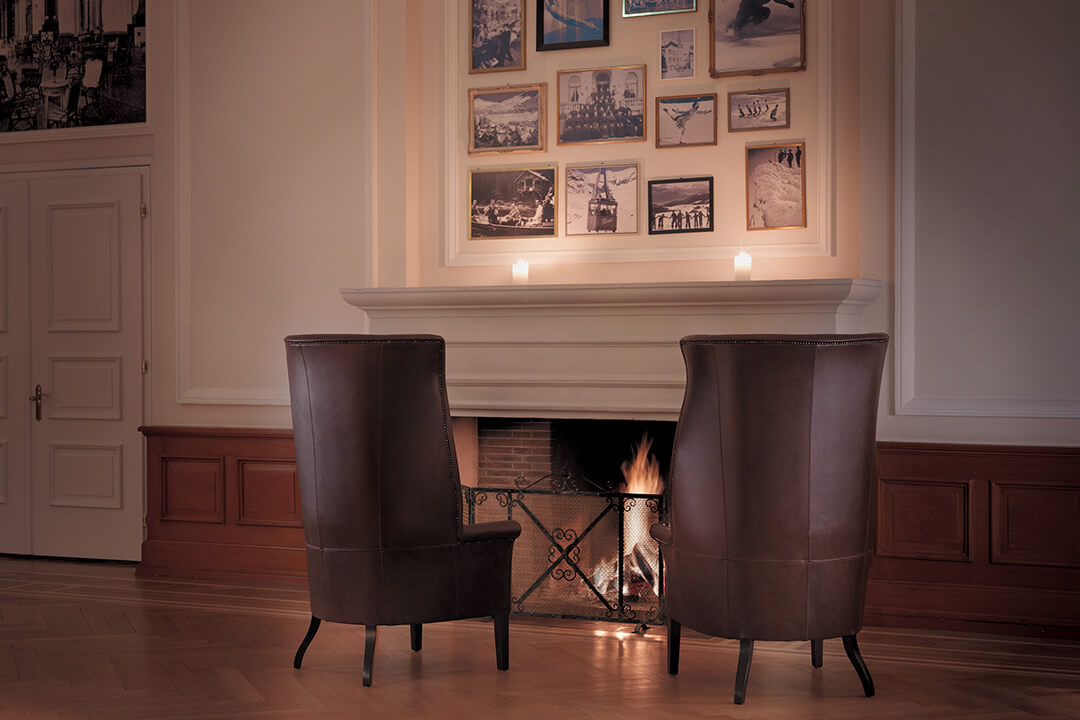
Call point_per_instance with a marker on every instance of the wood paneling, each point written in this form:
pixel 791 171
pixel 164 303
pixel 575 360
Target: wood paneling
pixel 193 490
pixel 925 519
pixel 1035 523
pixel 269 493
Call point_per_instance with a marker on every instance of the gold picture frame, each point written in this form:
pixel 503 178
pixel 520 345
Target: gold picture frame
pixel 769 174
pixel 492 36
pixel 676 114
pixel 739 37
pixel 601 105
pixel 748 110
pixel 602 198
pixel 513 203
pixel 508 119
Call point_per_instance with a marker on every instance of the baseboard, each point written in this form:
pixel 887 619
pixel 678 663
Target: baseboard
pixel 173 558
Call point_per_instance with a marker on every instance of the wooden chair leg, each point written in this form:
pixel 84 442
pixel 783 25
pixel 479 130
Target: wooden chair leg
pixel 674 634
pixel 502 641
pixel 416 636
pixel 816 655
pixel 312 629
pixel 851 647
pixel 370 636
pixel 742 675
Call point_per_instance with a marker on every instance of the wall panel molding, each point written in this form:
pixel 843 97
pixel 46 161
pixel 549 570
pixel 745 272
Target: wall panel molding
pixel 1035 523
pixel 926 519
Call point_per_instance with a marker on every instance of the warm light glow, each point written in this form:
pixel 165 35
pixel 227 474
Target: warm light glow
pixel 743 261
pixel 520 271
pixel 641 473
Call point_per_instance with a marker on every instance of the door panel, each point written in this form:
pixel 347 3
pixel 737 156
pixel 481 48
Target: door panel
pixel 15 385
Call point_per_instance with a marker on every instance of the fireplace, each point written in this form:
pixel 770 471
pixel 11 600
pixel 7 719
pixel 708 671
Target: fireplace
pixel 585 493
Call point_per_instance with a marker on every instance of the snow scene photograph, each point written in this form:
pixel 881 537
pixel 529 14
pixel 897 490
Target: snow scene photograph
pixel 756 36
pixel 680 206
pixel 776 186
pixel 758 110
pixel 685 120
pixel 507 119
pixel 602 199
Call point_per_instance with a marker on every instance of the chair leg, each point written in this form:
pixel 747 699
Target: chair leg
pixel 816 655
pixel 674 634
pixel 851 647
pixel 370 635
pixel 742 675
pixel 502 641
pixel 312 629
pixel 416 636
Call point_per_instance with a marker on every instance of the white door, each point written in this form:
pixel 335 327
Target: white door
pixel 14 369
pixel 85 352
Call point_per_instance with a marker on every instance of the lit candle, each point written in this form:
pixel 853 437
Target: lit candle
pixel 742 265
pixel 520 271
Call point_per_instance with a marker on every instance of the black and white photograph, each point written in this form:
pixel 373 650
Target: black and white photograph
pixel 568 24
pixel 683 205
pixel 759 110
pixel 685 120
pixel 516 203
pixel 752 37
pixel 638 8
pixel 601 105
pixel 677 54
pixel 602 199
pixel 507 119
pixel 70 64
pixel 497 35
pixel 776 186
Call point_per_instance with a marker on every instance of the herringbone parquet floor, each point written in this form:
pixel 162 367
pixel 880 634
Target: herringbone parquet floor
pixel 80 640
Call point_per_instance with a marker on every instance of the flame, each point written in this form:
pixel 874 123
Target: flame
pixel 641 473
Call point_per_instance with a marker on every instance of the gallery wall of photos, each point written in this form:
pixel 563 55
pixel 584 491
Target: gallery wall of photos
pixel 638 123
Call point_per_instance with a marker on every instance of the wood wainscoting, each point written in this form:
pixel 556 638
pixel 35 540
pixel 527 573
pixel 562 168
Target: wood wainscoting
pixel 969 537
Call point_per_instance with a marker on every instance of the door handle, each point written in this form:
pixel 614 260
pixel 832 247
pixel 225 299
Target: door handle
pixel 36 398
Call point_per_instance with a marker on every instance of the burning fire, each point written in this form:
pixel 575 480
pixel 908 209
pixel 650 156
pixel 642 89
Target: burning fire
pixel 641 564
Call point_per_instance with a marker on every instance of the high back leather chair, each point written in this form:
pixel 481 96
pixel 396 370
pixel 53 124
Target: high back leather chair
pixel 381 496
pixel 772 492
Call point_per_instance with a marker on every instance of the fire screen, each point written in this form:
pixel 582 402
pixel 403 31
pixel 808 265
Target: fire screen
pixel 584 551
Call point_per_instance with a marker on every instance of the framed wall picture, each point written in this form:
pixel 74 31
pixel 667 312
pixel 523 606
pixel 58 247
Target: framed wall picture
pixel 759 110
pixel 752 37
pixel 508 119
pixel 683 205
pixel 677 57
pixel 512 203
pixel 684 120
pixel 776 186
pixel 567 24
pixel 638 8
pixel 496 35
pixel 601 105
pixel 602 199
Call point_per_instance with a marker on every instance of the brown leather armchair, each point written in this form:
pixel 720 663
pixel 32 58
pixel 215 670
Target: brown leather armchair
pixel 381 496
pixel 772 487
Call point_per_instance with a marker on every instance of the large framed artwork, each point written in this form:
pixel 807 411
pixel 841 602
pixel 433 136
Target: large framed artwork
pixel 776 186
pixel 78 70
pixel 602 198
pixel 638 8
pixel 512 203
pixel 601 105
pixel 507 119
pixel 683 120
pixel 496 35
pixel 752 37
pixel 567 24
pixel 683 205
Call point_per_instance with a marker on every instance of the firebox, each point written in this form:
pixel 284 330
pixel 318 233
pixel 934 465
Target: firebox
pixel 585 493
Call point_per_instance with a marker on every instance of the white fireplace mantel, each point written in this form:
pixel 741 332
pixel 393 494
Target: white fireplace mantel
pixel 598 351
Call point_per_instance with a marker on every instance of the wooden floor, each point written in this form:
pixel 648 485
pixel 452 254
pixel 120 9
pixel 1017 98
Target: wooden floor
pixel 84 640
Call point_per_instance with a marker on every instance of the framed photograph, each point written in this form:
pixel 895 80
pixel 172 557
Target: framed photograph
pixel 776 186
pixel 601 105
pixel 602 199
pixel 497 35
pixel 683 120
pixel 758 110
pixel 638 8
pixel 753 37
pixel 507 119
pixel 677 54
pixel 567 24
pixel 684 205
pixel 515 203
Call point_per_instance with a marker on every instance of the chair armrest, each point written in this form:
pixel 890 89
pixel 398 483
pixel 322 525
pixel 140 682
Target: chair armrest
pixel 498 530
pixel 661 533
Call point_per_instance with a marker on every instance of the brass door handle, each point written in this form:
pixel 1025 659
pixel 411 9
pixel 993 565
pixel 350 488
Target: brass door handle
pixel 36 398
